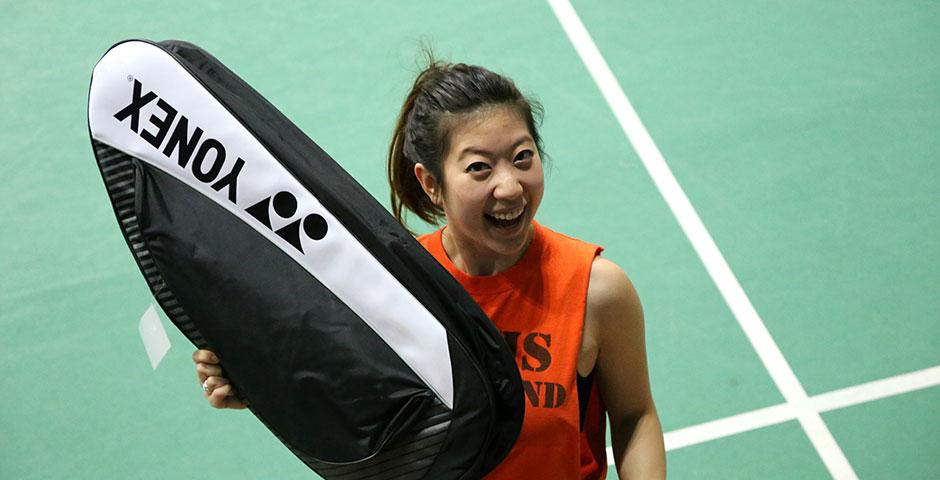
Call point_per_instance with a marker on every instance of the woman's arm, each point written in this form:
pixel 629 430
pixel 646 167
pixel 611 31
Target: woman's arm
pixel 614 320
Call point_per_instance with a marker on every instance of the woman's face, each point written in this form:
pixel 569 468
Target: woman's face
pixel 493 182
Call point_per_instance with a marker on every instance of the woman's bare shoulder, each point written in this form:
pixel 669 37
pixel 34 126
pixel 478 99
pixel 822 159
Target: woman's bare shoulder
pixel 610 288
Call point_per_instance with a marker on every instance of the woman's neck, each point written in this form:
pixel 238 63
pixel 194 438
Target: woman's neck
pixel 478 262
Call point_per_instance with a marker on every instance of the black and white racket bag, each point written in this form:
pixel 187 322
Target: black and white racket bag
pixel 348 340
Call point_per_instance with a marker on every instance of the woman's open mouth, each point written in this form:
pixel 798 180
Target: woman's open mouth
pixel 506 220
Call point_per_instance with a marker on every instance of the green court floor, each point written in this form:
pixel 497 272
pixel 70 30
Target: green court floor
pixel 804 135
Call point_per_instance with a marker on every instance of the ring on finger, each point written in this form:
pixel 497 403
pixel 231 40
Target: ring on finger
pixel 205 386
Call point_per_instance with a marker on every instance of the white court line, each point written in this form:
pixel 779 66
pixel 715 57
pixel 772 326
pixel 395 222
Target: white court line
pixel 704 245
pixel 867 392
pixel 765 417
pixel 728 426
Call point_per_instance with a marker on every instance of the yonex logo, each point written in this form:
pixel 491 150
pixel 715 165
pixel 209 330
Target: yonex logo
pixel 209 156
pixel 284 205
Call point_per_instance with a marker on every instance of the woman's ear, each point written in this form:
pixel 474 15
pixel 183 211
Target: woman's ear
pixel 429 184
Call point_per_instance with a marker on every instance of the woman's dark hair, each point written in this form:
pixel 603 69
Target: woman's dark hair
pixel 440 92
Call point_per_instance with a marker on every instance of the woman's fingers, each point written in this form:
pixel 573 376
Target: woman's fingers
pixel 207 364
pixel 216 388
pixel 211 384
pixel 206 370
pixel 224 397
pixel 205 356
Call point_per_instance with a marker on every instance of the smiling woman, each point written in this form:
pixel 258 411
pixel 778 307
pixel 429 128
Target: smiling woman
pixel 466 150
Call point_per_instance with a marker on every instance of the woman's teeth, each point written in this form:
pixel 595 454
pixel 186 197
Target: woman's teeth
pixel 512 215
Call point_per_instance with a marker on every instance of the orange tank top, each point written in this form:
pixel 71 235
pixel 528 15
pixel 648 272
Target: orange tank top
pixel 538 304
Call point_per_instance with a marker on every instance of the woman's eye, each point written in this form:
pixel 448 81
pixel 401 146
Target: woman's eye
pixel 477 167
pixel 524 155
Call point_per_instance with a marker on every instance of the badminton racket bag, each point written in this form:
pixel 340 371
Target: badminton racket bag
pixel 346 338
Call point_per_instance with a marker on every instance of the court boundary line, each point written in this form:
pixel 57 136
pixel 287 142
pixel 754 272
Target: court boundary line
pixel 737 300
pixel 824 402
pixel 777 414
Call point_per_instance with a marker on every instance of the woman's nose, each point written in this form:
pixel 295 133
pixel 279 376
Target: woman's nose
pixel 508 187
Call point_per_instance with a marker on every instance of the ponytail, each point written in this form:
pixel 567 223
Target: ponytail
pixel 406 191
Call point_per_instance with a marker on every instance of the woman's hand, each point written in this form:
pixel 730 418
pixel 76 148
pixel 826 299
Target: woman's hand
pixel 216 388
